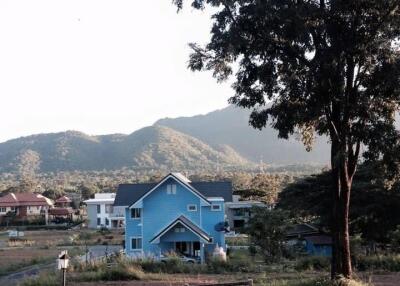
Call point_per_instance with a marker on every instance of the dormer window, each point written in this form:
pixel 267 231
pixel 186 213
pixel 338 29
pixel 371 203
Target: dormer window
pixel 216 208
pixel 171 189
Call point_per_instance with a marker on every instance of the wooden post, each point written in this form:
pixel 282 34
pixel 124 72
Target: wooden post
pixel 250 282
pixel 63 277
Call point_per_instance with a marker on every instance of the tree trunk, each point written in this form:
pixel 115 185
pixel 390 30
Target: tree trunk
pixel 346 183
pixel 336 266
pixel 341 189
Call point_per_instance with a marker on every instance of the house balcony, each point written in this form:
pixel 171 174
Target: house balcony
pixel 116 216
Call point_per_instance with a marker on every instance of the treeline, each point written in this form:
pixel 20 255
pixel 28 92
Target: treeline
pixel 375 204
pixel 250 185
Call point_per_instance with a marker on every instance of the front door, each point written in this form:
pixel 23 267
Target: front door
pixel 196 248
pixel 182 247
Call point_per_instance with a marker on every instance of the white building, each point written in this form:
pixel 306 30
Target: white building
pixel 238 213
pixel 101 212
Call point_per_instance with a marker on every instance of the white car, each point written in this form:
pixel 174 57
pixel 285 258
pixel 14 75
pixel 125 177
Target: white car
pixel 181 257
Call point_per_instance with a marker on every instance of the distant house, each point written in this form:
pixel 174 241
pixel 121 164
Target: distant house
pixel 63 202
pixel 238 212
pixel 100 212
pixel 24 205
pixel 310 239
pixel 62 210
pixel 174 214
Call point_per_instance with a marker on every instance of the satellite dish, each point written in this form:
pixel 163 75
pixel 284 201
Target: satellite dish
pixel 222 226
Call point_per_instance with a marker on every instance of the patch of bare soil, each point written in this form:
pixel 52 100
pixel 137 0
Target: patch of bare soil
pixel 389 279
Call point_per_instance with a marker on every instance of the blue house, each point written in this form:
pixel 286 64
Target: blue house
pixel 310 239
pixel 174 215
pixel 319 245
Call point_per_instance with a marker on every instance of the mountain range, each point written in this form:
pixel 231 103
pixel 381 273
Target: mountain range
pixel 222 138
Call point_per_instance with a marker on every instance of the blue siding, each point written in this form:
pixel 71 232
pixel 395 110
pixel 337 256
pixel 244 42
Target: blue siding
pixel 210 220
pixel 319 250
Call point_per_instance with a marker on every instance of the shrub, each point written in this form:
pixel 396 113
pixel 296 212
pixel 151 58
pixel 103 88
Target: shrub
pixel 122 272
pixel 378 262
pixel 313 263
pixel 44 279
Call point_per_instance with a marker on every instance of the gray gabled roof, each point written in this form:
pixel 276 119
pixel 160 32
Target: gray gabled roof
pixel 302 230
pixel 187 223
pixel 215 189
pixel 128 194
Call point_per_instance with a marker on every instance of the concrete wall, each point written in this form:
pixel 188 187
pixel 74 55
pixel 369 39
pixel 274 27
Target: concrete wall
pixel 92 216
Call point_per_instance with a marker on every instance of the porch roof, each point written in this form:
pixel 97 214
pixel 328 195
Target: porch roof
pixel 186 223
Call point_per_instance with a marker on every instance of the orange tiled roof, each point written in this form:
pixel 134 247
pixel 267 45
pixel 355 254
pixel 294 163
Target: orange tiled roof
pixel 63 199
pixel 24 199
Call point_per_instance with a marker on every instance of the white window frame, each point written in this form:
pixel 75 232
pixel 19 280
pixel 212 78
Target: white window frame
pixel 171 189
pixel 216 210
pixel 3 209
pixel 191 205
pixel 134 210
pixel 136 238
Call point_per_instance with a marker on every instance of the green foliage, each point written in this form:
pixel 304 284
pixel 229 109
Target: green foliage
pixel 318 263
pixel 375 210
pixel 88 191
pixel 237 241
pixel 268 229
pixel 122 272
pixel 263 187
pixel 395 239
pixel 53 193
pixel 378 262
pixel 314 67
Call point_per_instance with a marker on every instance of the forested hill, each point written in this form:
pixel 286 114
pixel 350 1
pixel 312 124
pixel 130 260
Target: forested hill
pixel 222 138
pixel 154 147
pixel 229 126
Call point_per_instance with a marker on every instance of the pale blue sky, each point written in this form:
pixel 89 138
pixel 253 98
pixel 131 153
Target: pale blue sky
pixel 99 66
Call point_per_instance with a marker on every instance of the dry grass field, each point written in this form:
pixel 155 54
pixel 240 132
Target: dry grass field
pixel 43 246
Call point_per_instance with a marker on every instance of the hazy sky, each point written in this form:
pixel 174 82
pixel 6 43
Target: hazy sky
pixel 99 66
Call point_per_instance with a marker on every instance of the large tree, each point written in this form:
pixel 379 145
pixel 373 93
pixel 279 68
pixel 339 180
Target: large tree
pixel 327 66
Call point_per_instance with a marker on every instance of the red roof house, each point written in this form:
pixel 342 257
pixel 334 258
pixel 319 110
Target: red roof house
pixel 24 204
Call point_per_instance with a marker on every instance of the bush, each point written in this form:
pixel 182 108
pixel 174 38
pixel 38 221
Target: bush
pixel 122 272
pixel 378 262
pixel 313 263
